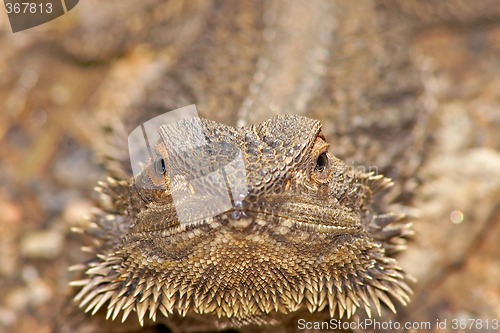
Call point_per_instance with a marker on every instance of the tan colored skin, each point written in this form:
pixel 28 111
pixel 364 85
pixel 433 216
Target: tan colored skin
pixel 346 63
pixel 302 239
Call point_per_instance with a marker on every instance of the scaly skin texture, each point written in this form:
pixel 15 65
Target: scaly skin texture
pixel 302 237
pixel 346 63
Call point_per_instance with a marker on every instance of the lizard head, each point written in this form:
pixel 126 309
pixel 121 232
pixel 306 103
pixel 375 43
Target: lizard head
pixel 245 225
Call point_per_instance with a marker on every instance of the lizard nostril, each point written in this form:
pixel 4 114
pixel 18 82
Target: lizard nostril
pixel 321 162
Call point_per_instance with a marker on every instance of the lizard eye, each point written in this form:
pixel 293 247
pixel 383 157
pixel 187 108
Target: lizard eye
pixel 160 166
pixel 321 162
pixel 322 170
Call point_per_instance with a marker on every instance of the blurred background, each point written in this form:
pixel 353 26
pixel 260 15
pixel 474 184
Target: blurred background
pixel 61 81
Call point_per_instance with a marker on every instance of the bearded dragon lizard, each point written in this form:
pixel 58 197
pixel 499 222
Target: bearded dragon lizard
pixel 311 233
pixel 302 237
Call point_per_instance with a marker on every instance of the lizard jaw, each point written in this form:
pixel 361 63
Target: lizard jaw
pixel 226 278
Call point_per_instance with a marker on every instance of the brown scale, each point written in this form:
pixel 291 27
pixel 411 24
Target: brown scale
pixel 303 238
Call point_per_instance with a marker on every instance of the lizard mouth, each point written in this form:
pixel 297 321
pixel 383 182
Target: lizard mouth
pixel 331 222
pixel 288 220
